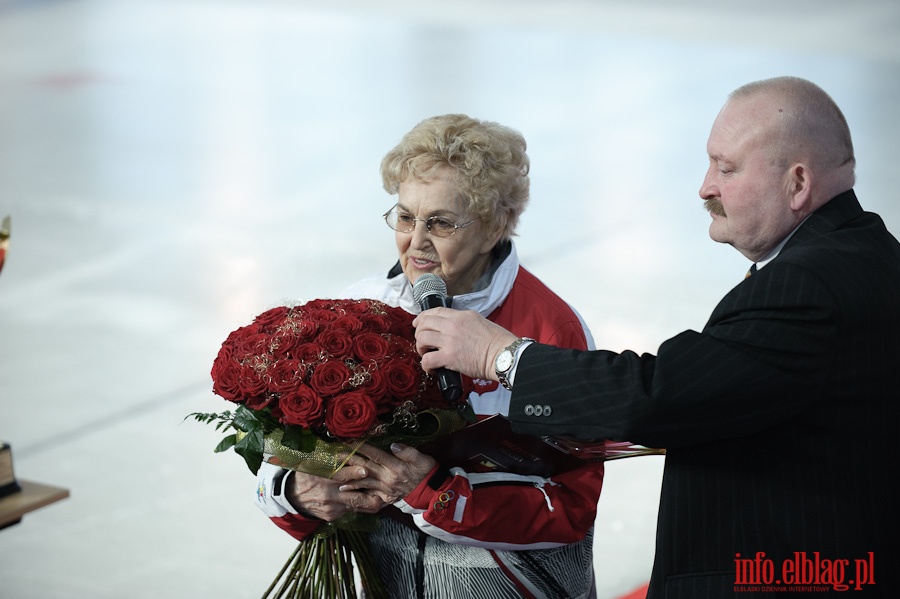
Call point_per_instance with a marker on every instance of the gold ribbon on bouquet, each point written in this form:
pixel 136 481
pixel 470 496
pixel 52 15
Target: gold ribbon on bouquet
pixel 330 456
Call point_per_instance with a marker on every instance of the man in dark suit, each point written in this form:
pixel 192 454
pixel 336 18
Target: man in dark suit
pixel 779 418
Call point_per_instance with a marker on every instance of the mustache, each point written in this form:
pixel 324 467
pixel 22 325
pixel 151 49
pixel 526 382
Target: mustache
pixel 714 206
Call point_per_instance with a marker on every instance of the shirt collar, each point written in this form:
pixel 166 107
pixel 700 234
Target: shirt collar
pixel 777 249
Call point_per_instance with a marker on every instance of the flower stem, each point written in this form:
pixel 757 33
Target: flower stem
pixel 324 567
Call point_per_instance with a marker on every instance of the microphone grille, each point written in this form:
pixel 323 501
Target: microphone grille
pixel 429 284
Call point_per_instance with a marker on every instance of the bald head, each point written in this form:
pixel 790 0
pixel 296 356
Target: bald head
pixel 804 125
pixel 778 151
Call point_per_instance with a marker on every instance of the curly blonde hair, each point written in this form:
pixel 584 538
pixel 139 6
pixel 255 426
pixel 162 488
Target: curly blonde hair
pixel 487 161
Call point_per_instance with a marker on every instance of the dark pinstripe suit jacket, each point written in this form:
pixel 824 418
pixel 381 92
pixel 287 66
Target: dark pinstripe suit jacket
pixel 780 418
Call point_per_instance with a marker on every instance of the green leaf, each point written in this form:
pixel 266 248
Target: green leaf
pixel 299 439
pixel 226 443
pixel 201 417
pixel 224 418
pixel 251 449
pixel 245 420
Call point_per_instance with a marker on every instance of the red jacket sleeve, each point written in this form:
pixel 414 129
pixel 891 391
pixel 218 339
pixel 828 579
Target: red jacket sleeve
pixel 296 525
pixel 504 511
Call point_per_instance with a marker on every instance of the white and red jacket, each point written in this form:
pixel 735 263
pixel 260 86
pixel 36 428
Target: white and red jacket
pixel 497 513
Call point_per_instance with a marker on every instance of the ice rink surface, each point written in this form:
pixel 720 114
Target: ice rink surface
pixel 174 167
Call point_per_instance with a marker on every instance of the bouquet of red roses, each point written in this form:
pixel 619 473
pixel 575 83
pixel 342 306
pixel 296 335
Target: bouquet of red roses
pixel 312 383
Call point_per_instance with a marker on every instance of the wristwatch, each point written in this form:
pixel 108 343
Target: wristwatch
pixel 506 359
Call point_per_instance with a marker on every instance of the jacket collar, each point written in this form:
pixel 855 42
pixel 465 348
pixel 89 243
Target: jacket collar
pixel 837 212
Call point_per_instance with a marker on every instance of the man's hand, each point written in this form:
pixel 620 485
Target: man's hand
pixel 460 340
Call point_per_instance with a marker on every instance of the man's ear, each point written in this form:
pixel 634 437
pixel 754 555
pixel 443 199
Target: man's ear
pixel 799 187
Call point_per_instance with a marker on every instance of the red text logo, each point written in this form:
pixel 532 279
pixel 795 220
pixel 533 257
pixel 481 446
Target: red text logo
pixel 812 572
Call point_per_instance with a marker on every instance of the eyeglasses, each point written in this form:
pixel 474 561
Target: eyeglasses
pixel 404 222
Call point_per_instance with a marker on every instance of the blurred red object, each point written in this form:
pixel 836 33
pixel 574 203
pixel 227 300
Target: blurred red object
pixel 4 238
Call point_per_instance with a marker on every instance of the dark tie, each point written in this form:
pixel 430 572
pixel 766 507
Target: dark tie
pixel 751 271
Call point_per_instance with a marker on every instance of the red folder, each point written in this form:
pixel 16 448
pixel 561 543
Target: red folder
pixel 491 446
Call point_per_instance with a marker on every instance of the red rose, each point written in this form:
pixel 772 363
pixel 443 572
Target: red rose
pixel 369 347
pixel 329 378
pixel 317 305
pixel 376 323
pixel 403 349
pixel 283 344
pixel 236 336
pixel 350 323
pixel 402 379
pixel 376 388
pixel 302 407
pixel 308 353
pixel 251 383
pixel 252 344
pixel 322 316
pixel 270 318
pixel 286 375
pixel 301 327
pixel 226 375
pixel 404 330
pixel 350 415
pixel 336 342
pixel 361 307
pixel 227 350
pixel 401 322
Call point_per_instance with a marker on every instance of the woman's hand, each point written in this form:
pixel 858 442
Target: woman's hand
pixel 394 475
pixel 325 499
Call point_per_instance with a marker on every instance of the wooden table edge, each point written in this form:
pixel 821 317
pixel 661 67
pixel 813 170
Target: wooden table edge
pixel 33 496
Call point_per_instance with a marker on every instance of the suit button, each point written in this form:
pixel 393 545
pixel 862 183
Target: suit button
pixel 538 410
pixel 547 410
pixel 529 410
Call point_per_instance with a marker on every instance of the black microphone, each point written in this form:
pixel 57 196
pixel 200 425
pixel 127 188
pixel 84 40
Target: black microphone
pixel 430 291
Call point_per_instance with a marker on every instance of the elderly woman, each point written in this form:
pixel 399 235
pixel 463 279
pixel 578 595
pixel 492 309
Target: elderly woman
pixel 461 185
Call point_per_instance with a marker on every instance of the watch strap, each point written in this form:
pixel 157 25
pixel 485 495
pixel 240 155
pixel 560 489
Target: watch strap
pixel 513 349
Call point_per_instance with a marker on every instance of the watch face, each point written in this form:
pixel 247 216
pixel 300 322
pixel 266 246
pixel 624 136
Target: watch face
pixel 504 361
